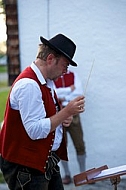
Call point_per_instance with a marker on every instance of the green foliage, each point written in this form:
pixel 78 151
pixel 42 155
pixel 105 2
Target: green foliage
pixel 4 90
pixel 2 5
pixel 1 54
pixel 3 84
pixel 3 99
pixel 3 68
pixel 1 178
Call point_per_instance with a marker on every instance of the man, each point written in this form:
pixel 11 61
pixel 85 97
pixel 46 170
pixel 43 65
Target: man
pixel 31 139
pixel 69 87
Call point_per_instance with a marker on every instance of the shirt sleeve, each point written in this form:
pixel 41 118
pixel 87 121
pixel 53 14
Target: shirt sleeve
pixel 27 98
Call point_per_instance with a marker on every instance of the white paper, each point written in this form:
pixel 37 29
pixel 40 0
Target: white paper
pixel 111 171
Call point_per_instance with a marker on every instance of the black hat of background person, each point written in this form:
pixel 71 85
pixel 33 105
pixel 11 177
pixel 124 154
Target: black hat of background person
pixel 63 45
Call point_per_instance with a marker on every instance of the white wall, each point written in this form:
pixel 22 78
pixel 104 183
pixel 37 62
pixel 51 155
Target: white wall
pixel 99 30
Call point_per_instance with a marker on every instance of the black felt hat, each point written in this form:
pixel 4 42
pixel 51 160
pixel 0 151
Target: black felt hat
pixel 63 45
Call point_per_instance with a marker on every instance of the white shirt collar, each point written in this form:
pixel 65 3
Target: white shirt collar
pixel 40 77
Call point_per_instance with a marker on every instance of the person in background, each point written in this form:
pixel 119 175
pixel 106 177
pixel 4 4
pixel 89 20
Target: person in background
pixel 32 137
pixel 68 87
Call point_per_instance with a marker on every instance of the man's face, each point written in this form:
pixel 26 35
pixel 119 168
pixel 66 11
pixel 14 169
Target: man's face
pixel 59 67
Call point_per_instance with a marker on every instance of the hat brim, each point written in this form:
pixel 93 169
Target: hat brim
pixel 46 42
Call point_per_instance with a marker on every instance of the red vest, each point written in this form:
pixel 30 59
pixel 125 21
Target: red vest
pixel 65 81
pixel 15 144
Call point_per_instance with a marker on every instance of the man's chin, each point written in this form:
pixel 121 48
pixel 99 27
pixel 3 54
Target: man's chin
pixel 57 77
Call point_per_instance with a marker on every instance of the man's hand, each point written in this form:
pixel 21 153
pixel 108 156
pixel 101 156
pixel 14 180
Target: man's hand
pixel 72 87
pixel 67 121
pixel 76 106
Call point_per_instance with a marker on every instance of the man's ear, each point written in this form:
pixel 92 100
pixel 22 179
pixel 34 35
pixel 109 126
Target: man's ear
pixel 50 57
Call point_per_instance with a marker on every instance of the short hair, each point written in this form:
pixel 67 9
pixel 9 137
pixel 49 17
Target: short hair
pixel 44 51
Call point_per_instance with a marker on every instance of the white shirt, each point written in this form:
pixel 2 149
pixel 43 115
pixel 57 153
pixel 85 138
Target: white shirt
pixel 26 97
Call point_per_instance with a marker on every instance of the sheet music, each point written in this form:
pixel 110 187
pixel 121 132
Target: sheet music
pixel 105 174
pixel 110 171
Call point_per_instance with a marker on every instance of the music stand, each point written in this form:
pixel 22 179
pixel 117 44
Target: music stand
pixel 99 174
